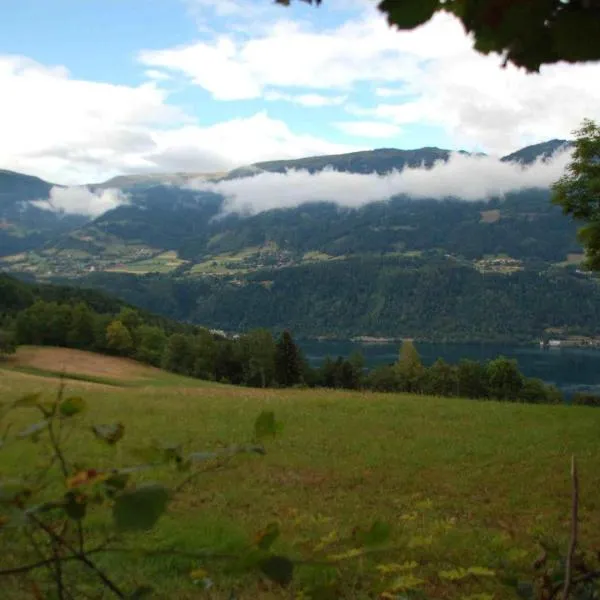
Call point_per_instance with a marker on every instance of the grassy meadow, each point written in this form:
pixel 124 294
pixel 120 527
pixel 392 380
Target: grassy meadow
pixel 462 483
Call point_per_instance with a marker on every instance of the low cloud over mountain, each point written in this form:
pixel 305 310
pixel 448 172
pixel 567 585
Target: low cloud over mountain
pixel 466 177
pixel 81 200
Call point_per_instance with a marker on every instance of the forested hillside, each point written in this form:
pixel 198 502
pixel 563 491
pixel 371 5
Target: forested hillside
pixel 430 298
pixel 499 268
pixel 87 320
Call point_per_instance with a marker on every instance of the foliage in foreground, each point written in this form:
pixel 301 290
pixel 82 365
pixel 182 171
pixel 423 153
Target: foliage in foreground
pixel 578 190
pixel 60 518
pixel 527 34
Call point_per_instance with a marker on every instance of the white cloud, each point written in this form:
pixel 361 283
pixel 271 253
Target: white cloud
pixel 288 55
pixel 385 92
pixel 369 129
pixel 462 177
pixel 429 76
pixel 240 142
pixel 81 200
pixel 74 131
pixel 157 75
pixel 308 100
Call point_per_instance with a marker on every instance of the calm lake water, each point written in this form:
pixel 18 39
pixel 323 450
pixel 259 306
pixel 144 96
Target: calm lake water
pixel 570 369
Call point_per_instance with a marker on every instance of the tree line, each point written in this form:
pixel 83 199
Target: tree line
pixel 256 358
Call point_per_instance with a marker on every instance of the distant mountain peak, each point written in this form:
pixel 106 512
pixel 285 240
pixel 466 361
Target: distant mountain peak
pixel 543 150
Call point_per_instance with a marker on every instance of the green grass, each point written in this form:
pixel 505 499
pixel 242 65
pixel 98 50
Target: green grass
pixel 462 483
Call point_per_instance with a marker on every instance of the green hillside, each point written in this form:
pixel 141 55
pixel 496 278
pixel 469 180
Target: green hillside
pixel 501 269
pixel 462 485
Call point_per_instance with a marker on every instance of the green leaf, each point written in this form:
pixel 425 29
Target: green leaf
pixel 267 538
pixel 72 406
pixel 33 431
pixel 110 434
pixel 409 14
pixel 140 508
pixel 75 506
pixel 378 534
pixel 265 425
pixel 278 569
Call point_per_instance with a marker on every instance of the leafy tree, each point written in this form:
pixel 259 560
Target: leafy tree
pixel 205 354
pixel 258 349
pixel 229 364
pixel 118 338
pixel 441 379
pixel 578 190
pixel 81 333
pixel 586 399
pixel 504 378
pixel 328 373
pixel 356 361
pixel 472 379
pixel 527 34
pixel 288 361
pixel 409 367
pixel 130 318
pixel 384 379
pixel 535 391
pixel 44 323
pixel 151 342
pixel 179 354
pixel 101 323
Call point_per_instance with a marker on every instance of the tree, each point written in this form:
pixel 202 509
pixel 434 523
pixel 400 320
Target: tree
pixel 505 379
pixel 535 391
pixel 44 323
pixel 383 379
pixel 150 344
pixel 409 367
pixel 81 333
pixel 527 34
pixel 179 354
pixel 205 354
pixel 578 190
pixel 441 379
pixel 118 338
pixel 288 362
pixel 357 365
pixel 472 379
pixel 258 349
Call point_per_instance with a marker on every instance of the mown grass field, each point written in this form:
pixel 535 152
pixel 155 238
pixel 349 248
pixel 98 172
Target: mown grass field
pixel 462 483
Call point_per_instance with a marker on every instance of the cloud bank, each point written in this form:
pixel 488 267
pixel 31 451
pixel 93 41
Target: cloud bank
pixel 463 177
pixel 82 201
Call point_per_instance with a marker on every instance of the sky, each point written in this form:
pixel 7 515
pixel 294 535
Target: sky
pixel 97 88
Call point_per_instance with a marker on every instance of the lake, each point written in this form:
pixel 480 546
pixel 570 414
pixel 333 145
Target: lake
pixel 570 369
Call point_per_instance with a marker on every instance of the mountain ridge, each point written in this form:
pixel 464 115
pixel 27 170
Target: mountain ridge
pixel 393 158
pixel 399 266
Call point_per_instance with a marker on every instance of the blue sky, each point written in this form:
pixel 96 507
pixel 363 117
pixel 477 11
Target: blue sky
pixel 95 88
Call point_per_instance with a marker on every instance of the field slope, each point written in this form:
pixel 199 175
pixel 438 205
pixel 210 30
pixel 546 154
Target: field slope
pixel 462 483
pixel 80 365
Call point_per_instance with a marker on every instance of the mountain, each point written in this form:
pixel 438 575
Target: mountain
pixel 152 179
pixel 24 224
pixel 378 161
pixel 502 268
pixel 530 154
